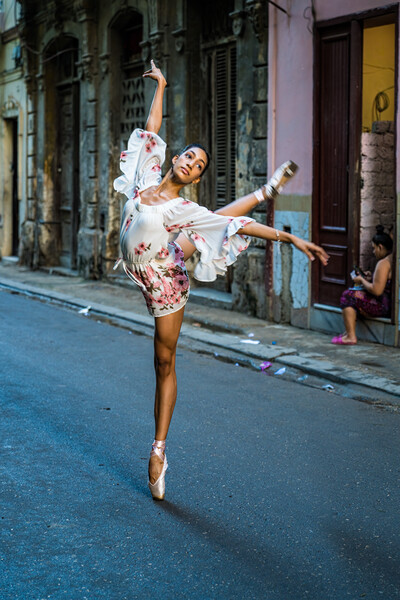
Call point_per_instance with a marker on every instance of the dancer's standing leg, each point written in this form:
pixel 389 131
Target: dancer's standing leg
pixel 165 340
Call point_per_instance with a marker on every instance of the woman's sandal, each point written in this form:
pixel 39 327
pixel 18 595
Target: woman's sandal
pixel 338 340
pixel 157 489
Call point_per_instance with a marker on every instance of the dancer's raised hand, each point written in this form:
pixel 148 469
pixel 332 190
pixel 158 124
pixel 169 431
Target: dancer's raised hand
pixel 154 119
pixel 155 73
pixel 311 250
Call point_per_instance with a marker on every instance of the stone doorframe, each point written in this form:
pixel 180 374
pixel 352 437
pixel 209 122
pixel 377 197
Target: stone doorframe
pixel 10 111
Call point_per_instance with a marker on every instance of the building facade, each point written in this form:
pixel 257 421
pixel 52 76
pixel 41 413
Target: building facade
pixel 255 82
pixel 83 62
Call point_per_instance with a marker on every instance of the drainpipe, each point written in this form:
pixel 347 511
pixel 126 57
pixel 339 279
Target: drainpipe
pixel 273 99
pixel 270 209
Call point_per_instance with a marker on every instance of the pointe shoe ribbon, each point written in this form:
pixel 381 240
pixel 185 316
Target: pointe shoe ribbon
pixel 279 179
pixel 157 488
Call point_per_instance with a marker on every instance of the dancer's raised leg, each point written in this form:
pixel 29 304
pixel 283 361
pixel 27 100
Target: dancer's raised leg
pixel 246 204
pixel 270 190
pixel 165 340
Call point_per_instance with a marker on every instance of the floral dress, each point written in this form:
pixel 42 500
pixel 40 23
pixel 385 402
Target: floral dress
pixel 150 254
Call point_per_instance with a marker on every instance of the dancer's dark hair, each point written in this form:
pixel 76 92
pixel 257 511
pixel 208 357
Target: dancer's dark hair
pixel 382 237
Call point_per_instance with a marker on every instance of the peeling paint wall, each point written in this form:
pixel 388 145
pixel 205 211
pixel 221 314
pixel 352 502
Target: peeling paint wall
pixel 291 271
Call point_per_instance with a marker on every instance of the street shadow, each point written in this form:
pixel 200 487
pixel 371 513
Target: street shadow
pixel 375 559
pixel 265 565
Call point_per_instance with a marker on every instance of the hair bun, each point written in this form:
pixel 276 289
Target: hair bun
pixel 380 229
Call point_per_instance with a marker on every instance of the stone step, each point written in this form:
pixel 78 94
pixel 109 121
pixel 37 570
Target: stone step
pixel 211 297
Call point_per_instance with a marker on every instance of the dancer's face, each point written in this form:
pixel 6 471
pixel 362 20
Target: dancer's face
pixel 189 166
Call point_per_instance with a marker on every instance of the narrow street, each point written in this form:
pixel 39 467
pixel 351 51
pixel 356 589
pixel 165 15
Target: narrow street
pixel 275 491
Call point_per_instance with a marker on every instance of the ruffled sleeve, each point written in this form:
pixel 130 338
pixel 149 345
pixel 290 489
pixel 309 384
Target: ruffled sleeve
pixel 141 162
pixel 215 236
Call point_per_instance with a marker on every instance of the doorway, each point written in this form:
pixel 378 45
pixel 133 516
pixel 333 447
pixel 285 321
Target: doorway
pixel 11 200
pixel 15 201
pixel 68 172
pixel 354 161
pixel 61 214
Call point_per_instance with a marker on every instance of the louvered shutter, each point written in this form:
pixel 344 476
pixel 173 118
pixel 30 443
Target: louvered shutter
pixel 225 90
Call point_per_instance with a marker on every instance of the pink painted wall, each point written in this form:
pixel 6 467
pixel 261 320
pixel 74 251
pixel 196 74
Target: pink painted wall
pixel 291 77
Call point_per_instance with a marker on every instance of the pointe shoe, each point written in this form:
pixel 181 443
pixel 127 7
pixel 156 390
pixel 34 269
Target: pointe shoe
pixel 157 489
pixel 274 186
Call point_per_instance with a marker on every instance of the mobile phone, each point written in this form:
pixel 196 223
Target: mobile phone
pixel 358 271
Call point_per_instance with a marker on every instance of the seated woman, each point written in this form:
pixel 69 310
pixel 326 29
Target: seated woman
pixel 374 299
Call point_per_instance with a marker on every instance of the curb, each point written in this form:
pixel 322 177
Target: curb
pixel 283 355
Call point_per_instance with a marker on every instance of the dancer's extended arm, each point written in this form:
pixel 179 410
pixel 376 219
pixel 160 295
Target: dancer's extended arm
pixel 270 233
pixel 154 119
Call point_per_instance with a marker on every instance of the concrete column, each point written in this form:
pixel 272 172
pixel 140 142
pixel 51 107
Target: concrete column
pixel 89 235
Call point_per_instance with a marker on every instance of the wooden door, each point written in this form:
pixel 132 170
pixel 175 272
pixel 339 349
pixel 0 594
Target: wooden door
pixel 15 200
pixel 68 173
pixel 337 135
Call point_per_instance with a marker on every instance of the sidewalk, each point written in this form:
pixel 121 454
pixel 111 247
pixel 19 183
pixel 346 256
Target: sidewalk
pixel 366 371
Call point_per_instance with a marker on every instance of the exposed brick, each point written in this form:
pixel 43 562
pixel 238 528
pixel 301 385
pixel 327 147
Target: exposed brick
pixel 259 113
pixel 261 84
pixel 32 123
pixel 371 166
pixel 90 139
pixel 389 140
pixel 260 157
pixel 31 187
pixel 31 145
pixel 385 153
pixel 91 158
pixel 31 166
pixel 369 151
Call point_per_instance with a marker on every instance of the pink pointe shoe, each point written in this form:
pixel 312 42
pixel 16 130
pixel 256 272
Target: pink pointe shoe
pixel 279 179
pixel 339 341
pixel 157 489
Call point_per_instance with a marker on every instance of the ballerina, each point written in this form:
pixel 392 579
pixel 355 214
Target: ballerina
pixel 160 230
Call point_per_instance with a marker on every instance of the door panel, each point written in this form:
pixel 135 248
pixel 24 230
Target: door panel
pixel 68 174
pixel 15 199
pixel 337 139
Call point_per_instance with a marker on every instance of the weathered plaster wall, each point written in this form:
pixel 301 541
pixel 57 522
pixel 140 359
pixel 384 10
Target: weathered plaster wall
pixel 377 192
pixel 291 271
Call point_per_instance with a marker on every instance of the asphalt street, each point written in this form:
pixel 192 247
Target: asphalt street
pixel 275 491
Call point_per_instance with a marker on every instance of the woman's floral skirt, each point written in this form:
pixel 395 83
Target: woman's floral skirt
pixel 164 282
pixel 365 303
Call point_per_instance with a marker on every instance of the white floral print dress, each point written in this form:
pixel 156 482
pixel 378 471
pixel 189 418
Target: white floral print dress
pixel 151 257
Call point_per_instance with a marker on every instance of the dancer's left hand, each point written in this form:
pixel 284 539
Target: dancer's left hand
pixel 155 73
pixel 311 250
